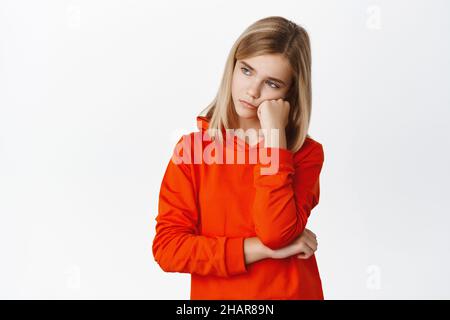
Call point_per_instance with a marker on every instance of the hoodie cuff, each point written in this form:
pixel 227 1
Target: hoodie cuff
pixel 234 256
pixel 285 161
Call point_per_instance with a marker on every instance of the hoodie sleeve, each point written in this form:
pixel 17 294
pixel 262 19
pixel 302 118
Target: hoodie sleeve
pixel 284 200
pixel 178 246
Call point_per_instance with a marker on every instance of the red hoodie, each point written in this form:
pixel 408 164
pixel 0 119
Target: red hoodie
pixel 206 210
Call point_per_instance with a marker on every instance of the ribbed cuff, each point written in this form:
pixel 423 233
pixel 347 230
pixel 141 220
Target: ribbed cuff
pixel 234 256
pixel 285 161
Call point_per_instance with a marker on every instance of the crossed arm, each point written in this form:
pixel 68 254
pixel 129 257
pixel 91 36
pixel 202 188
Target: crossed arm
pixel 282 207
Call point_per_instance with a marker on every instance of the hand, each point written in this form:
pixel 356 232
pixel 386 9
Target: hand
pixel 304 247
pixel 273 114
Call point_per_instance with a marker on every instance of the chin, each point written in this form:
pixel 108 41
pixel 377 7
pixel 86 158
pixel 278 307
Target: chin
pixel 245 113
pixel 247 116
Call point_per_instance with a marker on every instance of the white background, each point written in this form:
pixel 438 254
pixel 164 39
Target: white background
pixel 94 95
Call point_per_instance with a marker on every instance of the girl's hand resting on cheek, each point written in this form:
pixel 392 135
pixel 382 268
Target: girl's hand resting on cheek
pixel 273 114
pixel 273 117
pixel 303 247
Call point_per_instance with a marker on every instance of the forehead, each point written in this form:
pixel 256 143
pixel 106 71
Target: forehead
pixel 272 65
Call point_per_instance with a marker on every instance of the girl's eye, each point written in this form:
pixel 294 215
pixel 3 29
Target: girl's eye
pixel 271 84
pixel 244 70
pixel 275 86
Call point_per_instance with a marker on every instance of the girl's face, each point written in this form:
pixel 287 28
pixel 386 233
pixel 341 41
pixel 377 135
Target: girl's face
pixel 264 77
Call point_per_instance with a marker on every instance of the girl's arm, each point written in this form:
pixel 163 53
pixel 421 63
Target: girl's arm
pixel 255 250
pixel 304 247
pixel 178 246
pixel 284 200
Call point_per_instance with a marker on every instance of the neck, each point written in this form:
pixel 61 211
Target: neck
pixel 246 124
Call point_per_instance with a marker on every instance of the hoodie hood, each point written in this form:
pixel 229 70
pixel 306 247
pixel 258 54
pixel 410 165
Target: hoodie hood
pixel 202 123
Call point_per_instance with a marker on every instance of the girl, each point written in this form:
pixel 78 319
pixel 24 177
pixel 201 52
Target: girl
pixel 238 231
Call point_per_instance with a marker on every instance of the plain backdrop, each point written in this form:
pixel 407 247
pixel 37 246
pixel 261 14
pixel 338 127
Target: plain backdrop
pixel 95 94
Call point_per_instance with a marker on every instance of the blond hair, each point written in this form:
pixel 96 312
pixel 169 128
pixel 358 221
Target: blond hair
pixel 270 35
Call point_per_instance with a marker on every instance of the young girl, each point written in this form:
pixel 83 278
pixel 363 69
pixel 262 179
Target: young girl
pixel 240 232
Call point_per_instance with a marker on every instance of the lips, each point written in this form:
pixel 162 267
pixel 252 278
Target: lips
pixel 248 104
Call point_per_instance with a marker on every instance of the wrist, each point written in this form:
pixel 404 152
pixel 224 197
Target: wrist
pixel 275 138
pixel 264 250
pixel 268 253
pixel 255 250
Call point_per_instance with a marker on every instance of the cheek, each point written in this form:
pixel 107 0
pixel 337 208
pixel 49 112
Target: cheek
pixel 237 83
pixel 282 94
pixel 269 94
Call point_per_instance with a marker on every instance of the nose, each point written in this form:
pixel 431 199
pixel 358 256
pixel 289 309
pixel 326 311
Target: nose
pixel 253 90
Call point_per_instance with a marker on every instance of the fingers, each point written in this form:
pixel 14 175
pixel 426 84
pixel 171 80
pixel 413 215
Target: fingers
pixel 310 238
pixel 307 252
pixel 310 232
pixel 310 244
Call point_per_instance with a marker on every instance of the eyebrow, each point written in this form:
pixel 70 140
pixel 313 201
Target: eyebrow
pixel 253 69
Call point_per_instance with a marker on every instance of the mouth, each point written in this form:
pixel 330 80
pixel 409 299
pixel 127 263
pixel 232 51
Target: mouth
pixel 248 105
